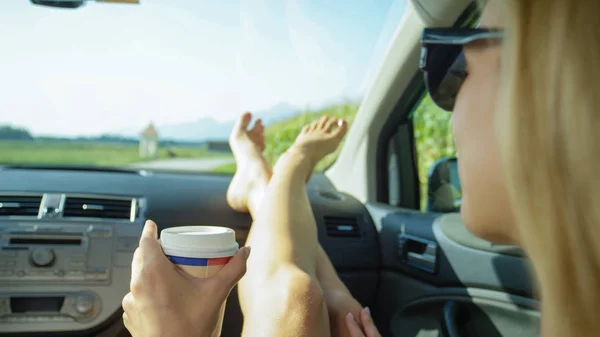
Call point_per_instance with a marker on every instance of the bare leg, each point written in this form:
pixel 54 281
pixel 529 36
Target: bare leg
pixel 243 195
pixel 253 172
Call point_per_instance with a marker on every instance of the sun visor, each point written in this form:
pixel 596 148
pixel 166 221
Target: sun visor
pixel 440 13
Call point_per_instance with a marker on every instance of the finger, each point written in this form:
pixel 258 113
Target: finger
pixel 150 230
pixel 136 263
pixel 353 327
pixel 234 270
pixel 149 245
pixel 368 324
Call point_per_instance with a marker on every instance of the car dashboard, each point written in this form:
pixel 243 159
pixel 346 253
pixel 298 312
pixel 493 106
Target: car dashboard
pixel 67 238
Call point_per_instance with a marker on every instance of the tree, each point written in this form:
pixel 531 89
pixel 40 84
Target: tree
pixel 9 132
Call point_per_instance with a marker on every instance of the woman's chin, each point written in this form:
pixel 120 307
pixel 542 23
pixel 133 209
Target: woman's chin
pixel 486 225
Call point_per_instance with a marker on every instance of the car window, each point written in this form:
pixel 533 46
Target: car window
pixel 158 85
pixel 433 140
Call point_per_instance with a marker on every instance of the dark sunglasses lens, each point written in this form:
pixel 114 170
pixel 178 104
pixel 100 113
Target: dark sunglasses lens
pixel 445 73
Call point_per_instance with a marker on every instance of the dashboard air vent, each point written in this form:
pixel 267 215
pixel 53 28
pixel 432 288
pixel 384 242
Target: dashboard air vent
pixel 20 205
pixel 342 227
pixel 97 208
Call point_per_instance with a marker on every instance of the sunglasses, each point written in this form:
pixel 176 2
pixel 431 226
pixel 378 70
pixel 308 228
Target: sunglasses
pixel 443 61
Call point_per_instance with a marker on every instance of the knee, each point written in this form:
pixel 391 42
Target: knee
pixel 299 290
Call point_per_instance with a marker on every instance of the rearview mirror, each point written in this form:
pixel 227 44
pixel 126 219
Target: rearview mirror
pixel 444 192
pixel 58 3
pixel 76 3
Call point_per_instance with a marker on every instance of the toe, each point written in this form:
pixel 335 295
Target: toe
pixel 260 127
pixel 313 126
pixel 330 124
pixel 257 127
pixel 242 124
pixel 322 122
pixel 341 129
pixel 305 129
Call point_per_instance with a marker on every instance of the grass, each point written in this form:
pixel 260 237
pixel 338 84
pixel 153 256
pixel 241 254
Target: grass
pixel 100 154
pixel 280 136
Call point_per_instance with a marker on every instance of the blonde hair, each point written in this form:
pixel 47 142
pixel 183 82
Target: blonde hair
pixel 549 132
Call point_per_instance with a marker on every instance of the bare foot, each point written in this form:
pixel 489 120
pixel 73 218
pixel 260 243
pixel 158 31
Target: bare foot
pixel 253 172
pixel 316 140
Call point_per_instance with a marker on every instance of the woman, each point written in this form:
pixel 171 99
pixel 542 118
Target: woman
pixel 525 123
pixel 524 101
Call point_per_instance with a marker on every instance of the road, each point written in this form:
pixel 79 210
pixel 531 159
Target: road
pixel 183 164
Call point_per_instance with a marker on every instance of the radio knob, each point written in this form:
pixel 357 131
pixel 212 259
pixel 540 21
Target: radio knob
pixel 42 257
pixel 84 304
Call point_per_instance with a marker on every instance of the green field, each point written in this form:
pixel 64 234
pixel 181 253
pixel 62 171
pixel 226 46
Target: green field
pixel 83 153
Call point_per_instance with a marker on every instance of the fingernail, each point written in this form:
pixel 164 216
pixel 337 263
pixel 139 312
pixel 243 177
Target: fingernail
pixel 368 311
pixel 246 251
pixel 350 316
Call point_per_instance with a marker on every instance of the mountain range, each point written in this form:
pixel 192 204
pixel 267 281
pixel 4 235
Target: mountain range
pixel 208 128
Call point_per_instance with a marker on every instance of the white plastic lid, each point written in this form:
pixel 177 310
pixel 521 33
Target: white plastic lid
pixel 199 241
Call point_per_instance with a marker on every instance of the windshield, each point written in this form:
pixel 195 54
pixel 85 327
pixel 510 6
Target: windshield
pixel 158 84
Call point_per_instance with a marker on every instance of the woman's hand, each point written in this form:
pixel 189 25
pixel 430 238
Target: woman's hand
pixel 369 329
pixel 165 301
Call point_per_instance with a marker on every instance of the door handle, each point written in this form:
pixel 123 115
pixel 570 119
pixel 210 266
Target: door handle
pixel 418 252
pixel 449 315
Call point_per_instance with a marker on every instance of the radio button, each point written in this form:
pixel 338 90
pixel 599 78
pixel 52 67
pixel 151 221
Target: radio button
pixel 42 257
pixel 84 304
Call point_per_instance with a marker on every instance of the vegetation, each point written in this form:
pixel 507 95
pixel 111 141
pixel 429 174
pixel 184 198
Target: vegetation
pixel 433 139
pixel 280 136
pixel 9 132
pixel 83 153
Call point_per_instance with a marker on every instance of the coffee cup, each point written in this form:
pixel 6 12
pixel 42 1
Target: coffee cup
pixel 200 251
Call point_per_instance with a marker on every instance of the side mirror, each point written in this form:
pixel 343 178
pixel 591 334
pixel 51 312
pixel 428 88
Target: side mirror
pixel 444 192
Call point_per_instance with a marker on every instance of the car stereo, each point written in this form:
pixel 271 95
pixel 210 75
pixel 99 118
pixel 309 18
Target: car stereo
pixel 65 259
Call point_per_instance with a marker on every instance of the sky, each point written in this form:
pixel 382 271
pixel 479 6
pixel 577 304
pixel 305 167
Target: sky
pixel 109 67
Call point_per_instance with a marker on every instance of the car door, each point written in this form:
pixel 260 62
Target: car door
pixel 438 279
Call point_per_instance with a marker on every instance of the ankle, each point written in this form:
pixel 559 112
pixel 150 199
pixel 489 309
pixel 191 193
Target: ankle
pixel 294 159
